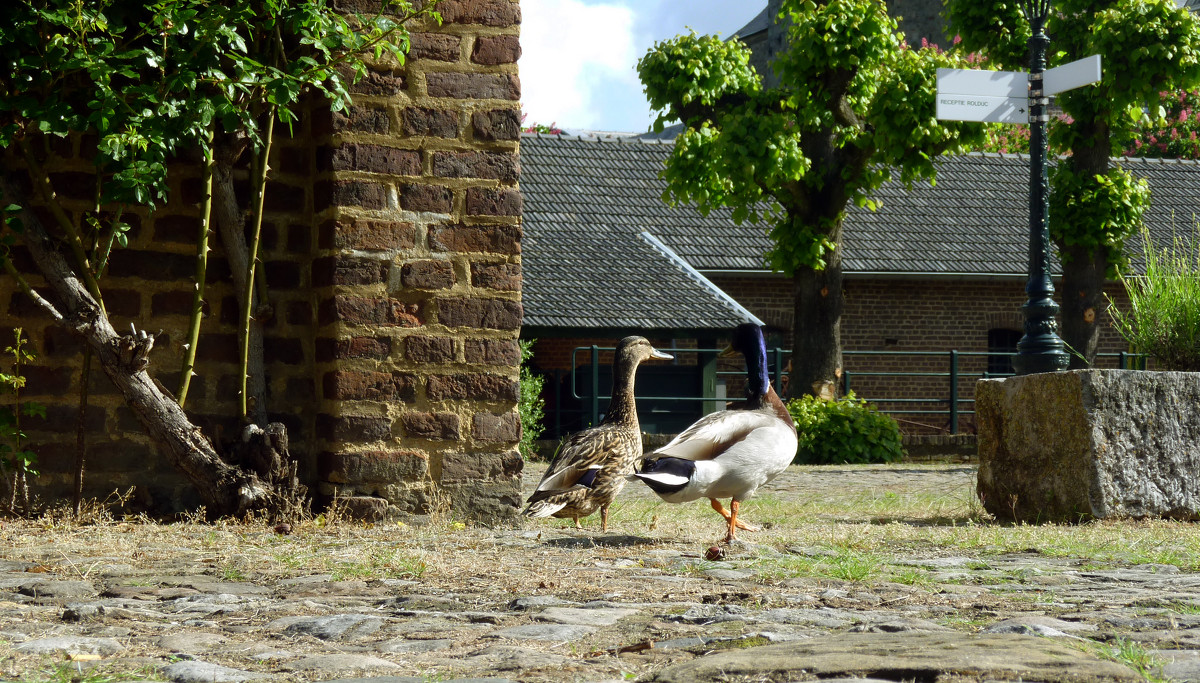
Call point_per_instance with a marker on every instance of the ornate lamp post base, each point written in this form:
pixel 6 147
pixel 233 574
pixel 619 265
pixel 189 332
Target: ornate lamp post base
pixel 1040 350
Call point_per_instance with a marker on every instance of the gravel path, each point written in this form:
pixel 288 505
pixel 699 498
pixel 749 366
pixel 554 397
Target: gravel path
pixel 541 602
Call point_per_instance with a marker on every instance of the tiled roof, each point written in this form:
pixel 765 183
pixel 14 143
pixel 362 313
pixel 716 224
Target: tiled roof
pixel 758 24
pixel 974 221
pixel 584 260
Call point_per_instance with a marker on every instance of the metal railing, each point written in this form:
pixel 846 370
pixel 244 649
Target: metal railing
pixel 948 403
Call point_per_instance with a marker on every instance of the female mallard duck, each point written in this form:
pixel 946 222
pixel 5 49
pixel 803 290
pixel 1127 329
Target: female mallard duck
pixel 728 454
pixel 591 466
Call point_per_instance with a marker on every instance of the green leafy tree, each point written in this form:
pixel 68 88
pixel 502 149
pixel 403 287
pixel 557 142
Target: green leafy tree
pixel 1147 47
pixel 152 82
pixel 854 108
pixel 1176 136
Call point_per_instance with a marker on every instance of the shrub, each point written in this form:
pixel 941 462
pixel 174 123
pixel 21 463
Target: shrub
pixel 531 406
pixel 847 430
pixel 17 463
pixel 1164 316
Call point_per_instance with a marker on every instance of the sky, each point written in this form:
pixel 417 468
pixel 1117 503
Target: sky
pixel 579 57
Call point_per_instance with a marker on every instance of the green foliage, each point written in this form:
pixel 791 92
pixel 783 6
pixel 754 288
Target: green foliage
pixel 853 103
pixel 846 430
pixel 148 79
pixel 16 460
pixel 1176 136
pixel 1164 317
pixel 1096 211
pixel 531 407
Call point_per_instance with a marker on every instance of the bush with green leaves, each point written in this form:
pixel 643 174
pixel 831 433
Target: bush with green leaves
pixel 1164 316
pixel 531 405
pixel 846 430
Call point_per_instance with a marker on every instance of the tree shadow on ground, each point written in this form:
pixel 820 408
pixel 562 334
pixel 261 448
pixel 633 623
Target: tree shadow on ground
pixel 615 541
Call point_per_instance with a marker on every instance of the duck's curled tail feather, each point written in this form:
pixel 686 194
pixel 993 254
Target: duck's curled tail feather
pixel 543 508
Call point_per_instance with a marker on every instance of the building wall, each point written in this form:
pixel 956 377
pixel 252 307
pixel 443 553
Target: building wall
pixel 392 257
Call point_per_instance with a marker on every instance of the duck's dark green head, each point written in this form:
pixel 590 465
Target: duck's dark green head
pixel 748 340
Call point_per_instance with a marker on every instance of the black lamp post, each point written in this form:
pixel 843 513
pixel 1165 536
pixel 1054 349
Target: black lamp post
pixel 1041 349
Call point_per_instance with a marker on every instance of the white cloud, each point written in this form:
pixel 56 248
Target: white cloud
pixel 577 65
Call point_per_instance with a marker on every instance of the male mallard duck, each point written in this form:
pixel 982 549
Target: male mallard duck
pixel 730 453
pixel 590 468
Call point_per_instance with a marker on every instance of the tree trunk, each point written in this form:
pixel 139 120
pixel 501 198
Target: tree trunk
pixel 817 329
pixel 230 221
pixel 1083 302
pixel 225 490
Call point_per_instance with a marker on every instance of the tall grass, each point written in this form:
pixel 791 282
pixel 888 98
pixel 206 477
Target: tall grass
pixel 1164 316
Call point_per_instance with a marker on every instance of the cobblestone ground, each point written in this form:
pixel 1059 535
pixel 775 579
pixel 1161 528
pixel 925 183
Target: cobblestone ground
pixel 824 591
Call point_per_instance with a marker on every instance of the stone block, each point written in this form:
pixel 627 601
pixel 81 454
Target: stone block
pixel 1086 444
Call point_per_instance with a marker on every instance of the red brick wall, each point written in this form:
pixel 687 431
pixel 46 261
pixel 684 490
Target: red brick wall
pixel 392 253
pixel 910 316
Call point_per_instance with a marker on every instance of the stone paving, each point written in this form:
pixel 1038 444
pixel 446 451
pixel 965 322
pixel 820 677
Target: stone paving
pixel 543 602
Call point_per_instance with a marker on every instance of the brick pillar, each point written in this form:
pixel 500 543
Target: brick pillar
pixel 417 276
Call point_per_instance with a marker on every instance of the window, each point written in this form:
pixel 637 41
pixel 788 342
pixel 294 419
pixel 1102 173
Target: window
pixel 1001 342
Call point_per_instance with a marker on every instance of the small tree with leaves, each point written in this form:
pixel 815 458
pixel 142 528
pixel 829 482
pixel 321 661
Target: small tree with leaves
pixel 149 82
pixel 1147 47
pixel 855 108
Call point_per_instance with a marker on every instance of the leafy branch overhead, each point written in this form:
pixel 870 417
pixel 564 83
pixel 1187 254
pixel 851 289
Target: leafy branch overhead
pixel 855 107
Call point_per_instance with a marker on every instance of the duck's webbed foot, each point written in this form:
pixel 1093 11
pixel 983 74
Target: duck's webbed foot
pixel 731 517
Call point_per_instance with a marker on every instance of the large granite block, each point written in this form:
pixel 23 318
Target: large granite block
pixel 1083 444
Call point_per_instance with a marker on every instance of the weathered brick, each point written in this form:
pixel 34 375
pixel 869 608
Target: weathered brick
pixel 280 196
pixel 437 123
pixel 353 428
pixel 492 351
pixel 474 86
pixel 505 427
pixel 348 270
pixel 124 302
pixel 64 419
pixel 490 314
pixel 422 197
pixel 427 275
pixel 383 84
pixel 437 47
pixel 354 385
pixel 492 50
pixel 370 159
pixel 493 201
pixel 292 160
pixel 373 466
pixel 152 265
pixel 433 426
pixel 174 303
pixel 299 238
pixel 298 313
pixel 504 277
pixel 176 229
pixel 368 235
pixel 219 347
pixel 480 466
pixel 485 12
pixel 358 119
pixel 58 342
pixel 497 124
pixel 283 275
pixel 487 239
pixel 41 380
pixel 285 350
pixel 377 348
pixel 371 311
pixel 491 165
pixel 350 193
pixel 476 386
pixel 419 349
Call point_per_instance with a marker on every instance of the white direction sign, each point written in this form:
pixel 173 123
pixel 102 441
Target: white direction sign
pixel 1068 76
pixel 980 82
pixel 983 108
pixel 1002 96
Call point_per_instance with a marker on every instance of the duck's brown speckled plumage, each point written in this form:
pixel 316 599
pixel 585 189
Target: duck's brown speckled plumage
pixel 591 466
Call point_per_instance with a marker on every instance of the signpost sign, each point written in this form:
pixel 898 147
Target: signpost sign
pixel 1021 98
